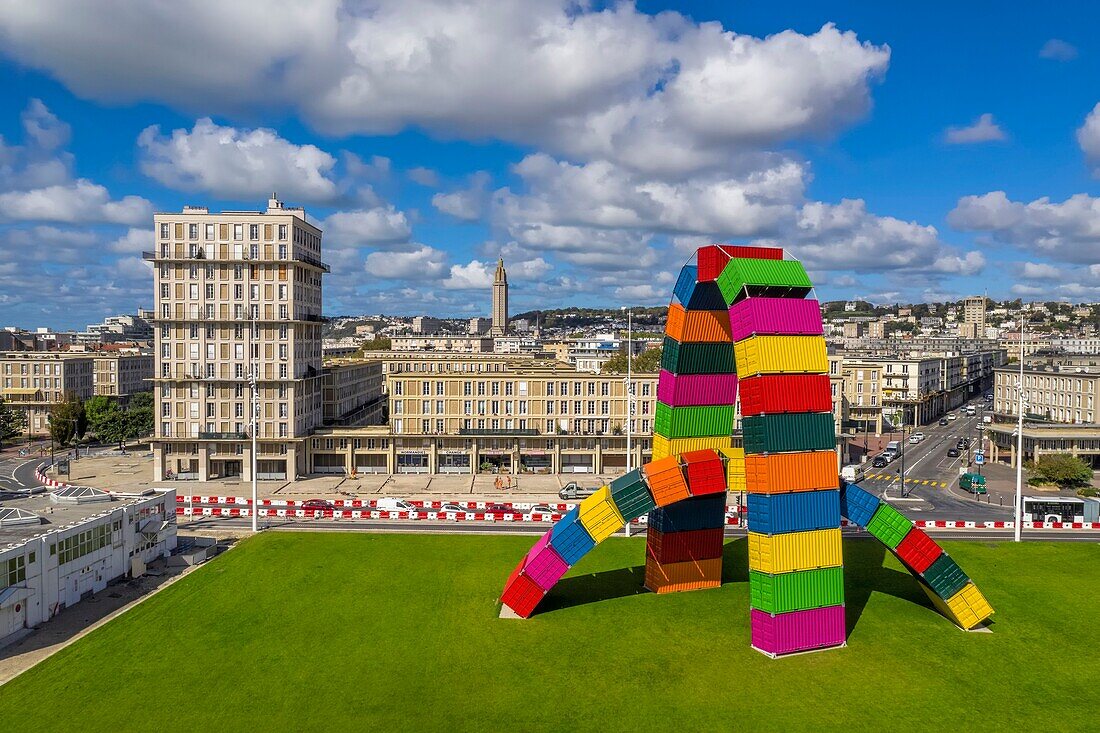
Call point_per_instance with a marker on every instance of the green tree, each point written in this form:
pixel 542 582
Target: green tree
pixel 68 420
pixel 139 415
pixel 378 344
pixel 12 422
pixel 647 362
pixel 98 411
pixel 1063 469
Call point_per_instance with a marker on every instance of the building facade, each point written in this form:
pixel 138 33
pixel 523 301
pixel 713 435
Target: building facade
pixel 122 375
pixel 353 393
pixel 238 302
pixel 33 382
pixel 1050 394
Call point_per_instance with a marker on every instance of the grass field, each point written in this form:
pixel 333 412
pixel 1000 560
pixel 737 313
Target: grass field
pixel 338 631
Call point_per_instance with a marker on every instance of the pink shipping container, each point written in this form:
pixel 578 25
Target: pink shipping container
pixel 797 631
pixel 775 316
pixel 543 565
pixel 687 390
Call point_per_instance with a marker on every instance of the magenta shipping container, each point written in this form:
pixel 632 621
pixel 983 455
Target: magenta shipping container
pixel 775 316
pixel 543 564
pixel 687 390
pixel 797 631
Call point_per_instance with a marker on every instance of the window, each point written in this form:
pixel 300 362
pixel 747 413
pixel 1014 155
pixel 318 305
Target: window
pixel 282 251
pixel 164 231
pixel 282 232
pixel 238 232
pixel 254 232
pixel 209 231
pixel 192 231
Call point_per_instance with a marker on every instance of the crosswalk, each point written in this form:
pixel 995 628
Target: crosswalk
pixel 909 481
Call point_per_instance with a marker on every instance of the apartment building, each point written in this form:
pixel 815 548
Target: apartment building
pixel 548 419
pixel 353 393
pixel 974 313
pixel 857 394
pixel 451 344
pixel 238 302
pixel 34 381
pixel 590 353
pixel 1050 394
pixel 121 375
pixel 426 325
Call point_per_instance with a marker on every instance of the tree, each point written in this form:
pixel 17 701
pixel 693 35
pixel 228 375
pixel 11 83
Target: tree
pixel 648 362
pixel 12 422
pixel 68 420
pixel 98 411
pixel 1063 469
pixel 378 344
pixel 139 415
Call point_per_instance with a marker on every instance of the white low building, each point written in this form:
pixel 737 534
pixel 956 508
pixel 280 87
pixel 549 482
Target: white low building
pixel 59 548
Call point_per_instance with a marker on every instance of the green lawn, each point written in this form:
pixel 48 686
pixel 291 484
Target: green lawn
pixel 321 631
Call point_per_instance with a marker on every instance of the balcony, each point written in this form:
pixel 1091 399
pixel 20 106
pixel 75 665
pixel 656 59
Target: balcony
pixel 500 432
pixel 224 436
pixel 147 255
pixel 313 261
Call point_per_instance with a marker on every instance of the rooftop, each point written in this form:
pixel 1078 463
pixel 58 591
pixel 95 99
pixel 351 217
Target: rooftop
pixel 53 516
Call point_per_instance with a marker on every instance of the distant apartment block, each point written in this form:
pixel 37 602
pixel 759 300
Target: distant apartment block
pixel 426 325
pixel 33 382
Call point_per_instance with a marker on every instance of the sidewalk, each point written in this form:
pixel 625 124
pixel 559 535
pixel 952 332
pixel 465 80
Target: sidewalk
pixel 133 474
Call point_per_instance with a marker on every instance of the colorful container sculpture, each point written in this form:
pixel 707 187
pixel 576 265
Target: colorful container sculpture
pixel 741 322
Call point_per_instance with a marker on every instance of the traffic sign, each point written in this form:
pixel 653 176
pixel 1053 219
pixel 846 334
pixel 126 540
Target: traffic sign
pixel 979 457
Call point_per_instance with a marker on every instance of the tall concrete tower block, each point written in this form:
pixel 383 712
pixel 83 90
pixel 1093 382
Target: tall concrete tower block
pixel 500 301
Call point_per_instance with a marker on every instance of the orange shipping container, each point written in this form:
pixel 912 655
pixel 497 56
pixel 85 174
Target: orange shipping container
pixel 780 473
pixel 692 326
pixel 666 480
pixel 679 576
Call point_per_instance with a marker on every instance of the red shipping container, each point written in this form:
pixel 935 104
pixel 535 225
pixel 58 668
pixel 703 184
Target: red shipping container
pixel 918 550
pixel 699 544
pixel 769 394
pixel 713 258
pixel 521 594
pixel 706 474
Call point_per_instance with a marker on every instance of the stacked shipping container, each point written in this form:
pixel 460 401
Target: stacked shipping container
pixel 693 426
pixel 948 587
pixel 796 574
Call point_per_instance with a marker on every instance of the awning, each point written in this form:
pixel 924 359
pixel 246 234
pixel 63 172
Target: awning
pixel 12 595
pixel 21 390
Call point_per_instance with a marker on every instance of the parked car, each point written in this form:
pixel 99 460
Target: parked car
pixel 880 462
pixel 452 507
pixel 943 421
pixel 497 509
pixel 311 505
pixel 972 482
pixel 952 452
pixel 988 396
pixel 852 473
pixel 541 509
pixel 389 504
pixel 573 490
pixel 987 419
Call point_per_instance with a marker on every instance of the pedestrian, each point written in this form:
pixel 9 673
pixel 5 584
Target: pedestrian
pixel 497 483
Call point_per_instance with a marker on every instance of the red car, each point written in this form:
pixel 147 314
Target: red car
pixel 316 504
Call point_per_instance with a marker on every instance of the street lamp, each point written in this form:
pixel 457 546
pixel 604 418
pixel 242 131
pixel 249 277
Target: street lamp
pixel 629 396
pixel 1019 511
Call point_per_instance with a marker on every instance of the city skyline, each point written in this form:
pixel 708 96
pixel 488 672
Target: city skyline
pixel 892 163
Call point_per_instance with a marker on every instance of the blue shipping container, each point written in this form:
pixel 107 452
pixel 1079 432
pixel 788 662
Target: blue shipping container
pixel 698 512
pixel 706 297
pixel 856 504
pixel 570 539
pixel 799 511
pixel 685 283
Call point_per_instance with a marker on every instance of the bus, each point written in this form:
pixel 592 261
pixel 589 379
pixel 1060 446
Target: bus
pixel 1061 509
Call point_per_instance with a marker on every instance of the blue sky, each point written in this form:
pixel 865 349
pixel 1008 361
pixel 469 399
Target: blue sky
pixel 904 153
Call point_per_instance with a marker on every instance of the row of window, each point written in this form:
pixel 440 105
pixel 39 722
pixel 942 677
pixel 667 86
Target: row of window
pixel 509 388
pixel 552 426
pixel 210 292
pixel 13 571
pixel 210 230
pixel 509 407
pixel 82 543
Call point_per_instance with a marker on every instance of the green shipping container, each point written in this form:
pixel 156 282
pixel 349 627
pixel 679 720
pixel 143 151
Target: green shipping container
pixel 681 358
pixel 797 431
pixel 945 577
pixel 631 495
pixel 693 422
pixel 742 278
pixel 889 525
pixel 797 591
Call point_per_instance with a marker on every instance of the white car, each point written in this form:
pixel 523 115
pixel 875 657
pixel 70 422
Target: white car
pixel 389 504
pixel 952 416
pixel 916 438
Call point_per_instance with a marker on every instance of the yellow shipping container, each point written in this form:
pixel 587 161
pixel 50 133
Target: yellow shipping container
pixel 967 608
pixel 784 553
pixel 664 447
pixel 735 468
pixel 600 516
pixel 780 355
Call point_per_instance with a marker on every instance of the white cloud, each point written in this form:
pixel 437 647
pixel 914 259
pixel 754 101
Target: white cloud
pixel 382 225
pixel 466 204
pixel 656 92
pixel 1039 271
pixel 43 126
pixel 1067 231
pixel 1088 137
pixel 474 275
pixel 422 263
pixel 237 163
pixel 982 130
pixel 1058 50
pixel 134 241
pixel 424 176
pixel 79 202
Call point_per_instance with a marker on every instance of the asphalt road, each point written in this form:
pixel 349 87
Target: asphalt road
pixel 535 529
pixel 17 474
pixel 931 476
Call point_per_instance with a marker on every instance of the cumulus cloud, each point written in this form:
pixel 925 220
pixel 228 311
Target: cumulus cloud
pixel 79 202
pixel 676 96
pixel 1058 50
pixel 1067 231
pixel 424 176
pixel 982 130
pixel 236 163
pixel 421 263
pixel 383 225
pixel 134 241
pixel 1088 137
pixel 43 127
pixel 467 204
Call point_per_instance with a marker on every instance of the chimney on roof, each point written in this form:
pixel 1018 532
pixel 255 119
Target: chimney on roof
pixel 273 203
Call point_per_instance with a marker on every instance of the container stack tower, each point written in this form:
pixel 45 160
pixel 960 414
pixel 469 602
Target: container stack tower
pixel 796 574
pixel 696 398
